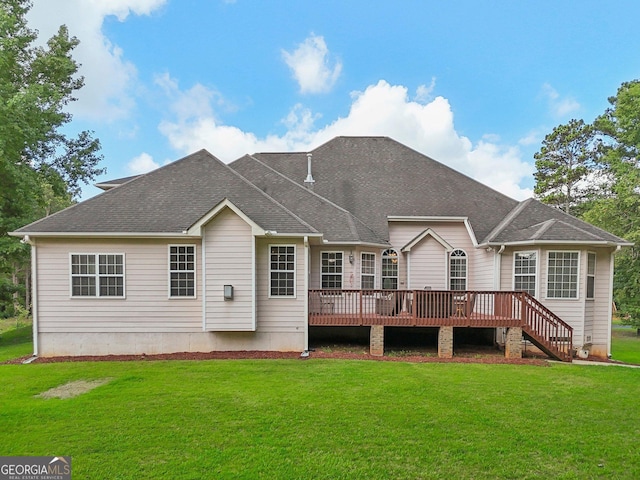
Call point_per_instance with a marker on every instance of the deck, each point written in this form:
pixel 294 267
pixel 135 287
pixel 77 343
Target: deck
pixel 430 308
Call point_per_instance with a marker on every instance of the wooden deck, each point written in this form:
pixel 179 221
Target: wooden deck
pixel 430 308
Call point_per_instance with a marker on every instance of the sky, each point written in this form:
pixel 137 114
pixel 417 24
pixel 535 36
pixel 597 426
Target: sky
pixel 473 84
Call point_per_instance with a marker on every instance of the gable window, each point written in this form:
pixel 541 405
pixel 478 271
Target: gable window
pixel 458 270
pixel 524 272
pixel 562 275
pixel 97 275
pixel 182 271
pixel 282 270
pixel 331 269
pixel 591 275
pixel 390 269
pixel 368 271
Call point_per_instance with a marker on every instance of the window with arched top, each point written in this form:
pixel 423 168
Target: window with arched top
pixel 458 270
pixel 390 269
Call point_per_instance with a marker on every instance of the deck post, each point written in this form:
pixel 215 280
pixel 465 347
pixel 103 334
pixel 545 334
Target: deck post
pixel 445 342
pixel 513 343
pixel 376 340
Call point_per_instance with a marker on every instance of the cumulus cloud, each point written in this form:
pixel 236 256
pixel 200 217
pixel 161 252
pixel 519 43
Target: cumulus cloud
pixel 143 163
pixel 311 67
pixel 109 77
pixel 559 106
pixel 381 109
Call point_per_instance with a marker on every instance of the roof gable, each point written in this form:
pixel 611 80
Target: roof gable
pixel 170 200
pixel 427 233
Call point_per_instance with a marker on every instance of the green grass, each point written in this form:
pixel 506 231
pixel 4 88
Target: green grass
pixel 625 344
pixel 16 343
pixel 327 419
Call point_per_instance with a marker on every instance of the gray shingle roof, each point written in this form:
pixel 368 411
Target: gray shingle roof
pixel 170 200
pixel 532 221
pixel 374 177
pixel 336 223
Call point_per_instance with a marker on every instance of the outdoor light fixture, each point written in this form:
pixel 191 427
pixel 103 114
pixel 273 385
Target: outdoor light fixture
pixel 228 292
pixel 351 258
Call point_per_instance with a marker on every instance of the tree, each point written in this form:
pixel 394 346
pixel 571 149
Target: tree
pixel 40 166
pixel 565 164
pixel 618 209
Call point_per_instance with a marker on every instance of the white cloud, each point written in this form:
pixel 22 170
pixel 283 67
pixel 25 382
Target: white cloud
pixel 310 66
pixel 424 93
pixel 109 78
pixel 143 163
pixel 559 106
pixel 382 109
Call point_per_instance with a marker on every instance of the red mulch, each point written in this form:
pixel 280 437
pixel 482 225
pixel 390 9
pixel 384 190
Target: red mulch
pixel 486 359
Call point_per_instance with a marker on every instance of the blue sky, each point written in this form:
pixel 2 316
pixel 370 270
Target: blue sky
pixel 474 84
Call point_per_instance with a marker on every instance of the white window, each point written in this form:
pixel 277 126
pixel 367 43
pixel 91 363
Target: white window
pixel 97 275
pixel 368 271
pixel 591 275
pixel 331 269
pixel 524 272
pixel 390 269
pixel 458 270
pixel 562 275
pixel 182 271
pixel 282 270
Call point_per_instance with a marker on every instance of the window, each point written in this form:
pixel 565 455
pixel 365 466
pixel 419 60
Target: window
pixel 331 269
pixel 282 270
pixel 182 271
pixel 368 271
pixel 591 275
pixel 458 270
pixel 562 275
pixel 97 275
pixel 390 269
pixel 524 272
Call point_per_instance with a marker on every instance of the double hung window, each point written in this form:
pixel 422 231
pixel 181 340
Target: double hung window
pixel 97 275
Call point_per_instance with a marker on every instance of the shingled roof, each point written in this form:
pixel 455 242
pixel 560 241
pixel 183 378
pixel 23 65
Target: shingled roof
pixel 170 200
pixel 359 183
pixel 377 177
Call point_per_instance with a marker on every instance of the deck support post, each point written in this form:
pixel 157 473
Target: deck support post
pixel 376 340
pixel 445 342
pixel 513 343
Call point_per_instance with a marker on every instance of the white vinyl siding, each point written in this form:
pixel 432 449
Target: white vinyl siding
pixel 562 274
pixel 146 307
pixel 368 271
pixel 229 260
pixel 97 275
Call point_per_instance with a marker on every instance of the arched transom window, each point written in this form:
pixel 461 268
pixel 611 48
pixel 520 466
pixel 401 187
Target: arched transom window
pixel 390 269
pixel 458 270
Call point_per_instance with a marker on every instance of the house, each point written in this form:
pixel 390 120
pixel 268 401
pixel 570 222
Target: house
pixel 362 231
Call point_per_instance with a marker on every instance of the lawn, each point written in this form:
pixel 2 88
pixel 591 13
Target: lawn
pixel 625 344
pixel 327 419
pixel 15 343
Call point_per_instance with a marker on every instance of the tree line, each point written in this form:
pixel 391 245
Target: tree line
pixel 591 170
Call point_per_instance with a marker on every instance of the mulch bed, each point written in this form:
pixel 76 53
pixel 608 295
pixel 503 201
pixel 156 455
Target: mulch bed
pixel 251 355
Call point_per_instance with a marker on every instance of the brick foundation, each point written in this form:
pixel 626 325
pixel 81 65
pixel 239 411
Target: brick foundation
pixel 376 341
pixel 445 342
pixel 513 343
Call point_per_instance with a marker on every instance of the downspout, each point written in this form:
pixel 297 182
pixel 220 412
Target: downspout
pixel 34 291
pixel 610 309
pixel 203 258
pixel 307 272
pixel 497 268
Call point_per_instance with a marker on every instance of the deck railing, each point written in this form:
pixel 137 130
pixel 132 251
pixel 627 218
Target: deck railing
pixel 443 308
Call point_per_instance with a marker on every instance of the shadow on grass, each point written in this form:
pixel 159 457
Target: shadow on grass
pixel 16 343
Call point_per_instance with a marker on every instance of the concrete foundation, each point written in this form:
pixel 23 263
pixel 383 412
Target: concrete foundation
pixel 137 343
